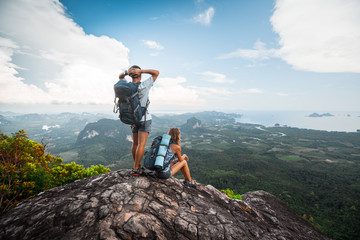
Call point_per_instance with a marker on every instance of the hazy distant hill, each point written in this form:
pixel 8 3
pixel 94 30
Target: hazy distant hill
pixel 191 125
pixel 58 131
pixel 3 121
pixel 207 117
pixel 104 129
pixel 103 142
pixel 321 115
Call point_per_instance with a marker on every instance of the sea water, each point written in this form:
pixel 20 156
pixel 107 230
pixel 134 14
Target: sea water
pixel 341 121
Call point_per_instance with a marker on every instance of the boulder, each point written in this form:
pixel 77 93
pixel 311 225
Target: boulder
pixel 117 205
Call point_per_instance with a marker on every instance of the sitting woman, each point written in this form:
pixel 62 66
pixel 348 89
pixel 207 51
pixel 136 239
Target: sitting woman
pixel 176 161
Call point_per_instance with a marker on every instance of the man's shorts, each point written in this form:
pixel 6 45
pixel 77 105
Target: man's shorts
pixel 141 127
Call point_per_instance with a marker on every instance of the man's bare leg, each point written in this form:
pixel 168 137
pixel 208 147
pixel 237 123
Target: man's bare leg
pixel 134 145
pixel 141 141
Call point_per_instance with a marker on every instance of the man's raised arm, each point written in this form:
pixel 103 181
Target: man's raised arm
pixel 123 74
pixel 153 73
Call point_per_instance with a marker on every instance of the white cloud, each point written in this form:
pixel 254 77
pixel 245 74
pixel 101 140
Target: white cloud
pixel 153 44
pixel 41 32
pixel 216 77
pixel 12 88
pixel 260 52
pixel 319 36
pixel 253 90
pixel 280 94
pixel 171 92
pixel 214 92
pixel 7 43
pixel 205 17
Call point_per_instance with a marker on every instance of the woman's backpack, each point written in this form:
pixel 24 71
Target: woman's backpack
pixel 152 154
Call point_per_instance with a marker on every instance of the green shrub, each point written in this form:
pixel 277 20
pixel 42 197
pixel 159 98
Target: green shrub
pixel 26 170
pixel 230 193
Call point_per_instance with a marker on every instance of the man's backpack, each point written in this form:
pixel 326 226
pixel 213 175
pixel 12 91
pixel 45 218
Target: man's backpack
pixel 153 153
pixel 127 102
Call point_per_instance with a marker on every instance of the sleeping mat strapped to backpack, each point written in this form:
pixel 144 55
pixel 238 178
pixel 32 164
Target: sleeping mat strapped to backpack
pixel 161 154
pixel 157 157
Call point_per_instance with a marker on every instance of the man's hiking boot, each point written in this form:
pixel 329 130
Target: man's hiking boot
pixel 191 183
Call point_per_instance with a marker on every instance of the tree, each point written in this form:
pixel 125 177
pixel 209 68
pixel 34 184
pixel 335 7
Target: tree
pixel 26 169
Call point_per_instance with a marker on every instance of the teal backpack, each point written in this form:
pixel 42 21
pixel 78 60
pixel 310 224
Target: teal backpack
pixel 127 102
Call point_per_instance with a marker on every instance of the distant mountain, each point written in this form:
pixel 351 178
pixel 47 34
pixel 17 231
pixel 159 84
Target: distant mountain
pixel 103 142
pixel 321 115
pixel 3 120
pixel 8 113
pixel 104 129
pixel 34 117
pixel 191 124
pixel 65 116
pixel 207 117
pixel 212 116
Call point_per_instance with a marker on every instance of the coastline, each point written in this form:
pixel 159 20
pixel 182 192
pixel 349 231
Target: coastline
pixel 341 121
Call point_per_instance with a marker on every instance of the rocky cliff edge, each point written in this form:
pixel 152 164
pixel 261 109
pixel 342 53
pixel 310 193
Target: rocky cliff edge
pixel 119 206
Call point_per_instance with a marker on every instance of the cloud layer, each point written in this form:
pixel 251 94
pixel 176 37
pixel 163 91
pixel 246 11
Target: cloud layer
pixel 171 92
pixel 40 32
pixel 319 36
pixel 316 36
pixel 260 52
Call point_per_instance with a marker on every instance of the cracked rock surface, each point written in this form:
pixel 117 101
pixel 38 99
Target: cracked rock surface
pixel 117 205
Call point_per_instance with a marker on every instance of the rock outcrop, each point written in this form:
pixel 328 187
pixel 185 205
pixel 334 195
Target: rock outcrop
pixel 119 206
pixel 191 124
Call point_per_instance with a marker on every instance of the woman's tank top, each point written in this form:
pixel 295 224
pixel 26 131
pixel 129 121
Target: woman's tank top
pixel 170 156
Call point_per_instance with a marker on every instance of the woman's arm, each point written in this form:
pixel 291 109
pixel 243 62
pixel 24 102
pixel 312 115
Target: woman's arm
pixel 177 151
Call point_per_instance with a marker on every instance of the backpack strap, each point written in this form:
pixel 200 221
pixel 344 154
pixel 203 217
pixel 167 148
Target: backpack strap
pixel 116 106
pixel 139 105
pixel 137 92
pixel 146 107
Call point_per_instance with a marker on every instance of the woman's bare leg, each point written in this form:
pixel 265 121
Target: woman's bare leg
pixel 183 166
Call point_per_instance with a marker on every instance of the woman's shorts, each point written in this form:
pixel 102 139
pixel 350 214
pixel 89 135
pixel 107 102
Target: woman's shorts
pixel 164 174
pixel 142 127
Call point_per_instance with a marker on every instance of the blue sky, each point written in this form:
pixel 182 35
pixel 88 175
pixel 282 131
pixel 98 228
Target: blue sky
pixel 229 55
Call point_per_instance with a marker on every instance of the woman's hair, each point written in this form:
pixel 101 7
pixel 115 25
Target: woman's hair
pixel 175 135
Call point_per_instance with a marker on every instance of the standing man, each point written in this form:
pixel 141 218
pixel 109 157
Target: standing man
pixel 140 131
